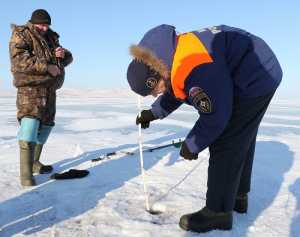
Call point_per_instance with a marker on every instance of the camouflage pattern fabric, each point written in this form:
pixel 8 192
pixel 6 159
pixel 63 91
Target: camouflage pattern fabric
pixel 30 55
pixel 37 102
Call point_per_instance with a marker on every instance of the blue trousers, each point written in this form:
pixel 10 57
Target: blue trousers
pixel 31 130
pixel 231 155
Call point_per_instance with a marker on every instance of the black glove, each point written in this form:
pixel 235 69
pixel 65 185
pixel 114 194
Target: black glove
pixel 186 154
pixel 145 119
pixel 71 174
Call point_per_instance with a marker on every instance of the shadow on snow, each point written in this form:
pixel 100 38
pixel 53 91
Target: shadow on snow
pixel 295 225
pixel 56 201
pixel 272 160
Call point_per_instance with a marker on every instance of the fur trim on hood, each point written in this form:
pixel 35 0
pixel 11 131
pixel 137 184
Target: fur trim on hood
pixel 14 27
pixel 146 56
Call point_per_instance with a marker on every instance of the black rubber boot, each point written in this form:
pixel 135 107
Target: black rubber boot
pixel 26 161
pixel 241 203
pixel 206 220
pixel 38 167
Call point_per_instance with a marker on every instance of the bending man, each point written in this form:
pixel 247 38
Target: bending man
pixel 229 76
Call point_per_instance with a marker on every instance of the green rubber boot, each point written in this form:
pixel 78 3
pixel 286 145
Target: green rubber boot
pixel 26 161
pixel 38 167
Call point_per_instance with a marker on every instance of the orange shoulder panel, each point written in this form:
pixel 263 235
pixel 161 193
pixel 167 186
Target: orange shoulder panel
pixel 190 52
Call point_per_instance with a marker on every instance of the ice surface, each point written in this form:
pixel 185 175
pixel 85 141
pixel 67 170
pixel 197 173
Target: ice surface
pixel 110 201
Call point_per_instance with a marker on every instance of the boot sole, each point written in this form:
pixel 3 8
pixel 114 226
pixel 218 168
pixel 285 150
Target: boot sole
pixel 242 208
pixel 227 227
pixel 241 211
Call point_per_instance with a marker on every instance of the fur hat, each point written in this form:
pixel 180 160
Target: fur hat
pixel 145 70
pixel 141 78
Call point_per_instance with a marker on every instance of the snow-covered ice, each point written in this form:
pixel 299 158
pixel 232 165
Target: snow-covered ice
pixel 110 201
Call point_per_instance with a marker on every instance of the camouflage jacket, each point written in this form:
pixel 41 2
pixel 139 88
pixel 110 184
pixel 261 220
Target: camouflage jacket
pixel 30 54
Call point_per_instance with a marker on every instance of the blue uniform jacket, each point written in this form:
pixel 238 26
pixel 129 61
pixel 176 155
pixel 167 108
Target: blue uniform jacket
pixel 242 66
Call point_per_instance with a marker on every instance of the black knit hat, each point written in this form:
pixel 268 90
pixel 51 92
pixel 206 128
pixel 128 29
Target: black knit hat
pixel 40 16
pixel 141 78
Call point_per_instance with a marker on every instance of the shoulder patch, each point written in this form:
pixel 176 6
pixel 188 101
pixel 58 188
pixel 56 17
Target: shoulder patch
pixel 200 100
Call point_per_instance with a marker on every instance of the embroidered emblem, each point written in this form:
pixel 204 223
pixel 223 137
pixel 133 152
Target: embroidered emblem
pixel 200 100
pixel 151 82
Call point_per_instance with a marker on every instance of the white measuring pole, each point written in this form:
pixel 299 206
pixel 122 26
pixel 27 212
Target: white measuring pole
pixel 140 139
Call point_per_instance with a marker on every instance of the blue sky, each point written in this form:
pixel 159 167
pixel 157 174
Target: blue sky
pixel 99 33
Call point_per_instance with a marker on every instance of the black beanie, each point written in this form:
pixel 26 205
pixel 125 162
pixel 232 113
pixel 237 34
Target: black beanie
pixel 141 78
pixel 40 16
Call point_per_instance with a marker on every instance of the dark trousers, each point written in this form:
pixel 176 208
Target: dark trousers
pixel 231 155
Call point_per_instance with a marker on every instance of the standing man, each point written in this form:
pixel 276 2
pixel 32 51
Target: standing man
pixel 37 64
pixel 229 76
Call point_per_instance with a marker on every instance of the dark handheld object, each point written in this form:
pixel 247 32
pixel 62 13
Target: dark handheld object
pixel 59 63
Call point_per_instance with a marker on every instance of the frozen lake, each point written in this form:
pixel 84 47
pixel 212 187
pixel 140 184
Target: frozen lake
pixel 110 201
